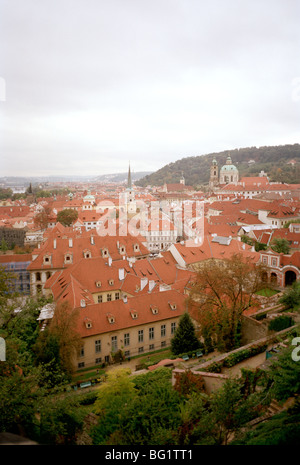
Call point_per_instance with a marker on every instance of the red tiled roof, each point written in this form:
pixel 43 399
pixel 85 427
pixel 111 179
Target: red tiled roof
pixel 209 249
pixel 7 258
pixel 80 244
pixel 97 314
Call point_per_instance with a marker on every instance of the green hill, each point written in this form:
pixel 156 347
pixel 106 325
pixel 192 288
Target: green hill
pixel 273 160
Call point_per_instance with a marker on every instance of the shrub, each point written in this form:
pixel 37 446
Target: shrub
pixel 280 323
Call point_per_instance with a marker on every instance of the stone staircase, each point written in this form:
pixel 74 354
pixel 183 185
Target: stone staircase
pixel 275 408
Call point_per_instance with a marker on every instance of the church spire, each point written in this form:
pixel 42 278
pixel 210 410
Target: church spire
pixel 129 183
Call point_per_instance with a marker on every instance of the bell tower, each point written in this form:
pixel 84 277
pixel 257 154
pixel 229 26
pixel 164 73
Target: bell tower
pixel 214 176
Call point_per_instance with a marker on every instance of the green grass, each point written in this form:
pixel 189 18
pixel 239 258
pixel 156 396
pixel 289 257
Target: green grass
pixel 267 292
pixel 155 357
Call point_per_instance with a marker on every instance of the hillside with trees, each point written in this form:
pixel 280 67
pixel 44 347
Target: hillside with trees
pixel 274 160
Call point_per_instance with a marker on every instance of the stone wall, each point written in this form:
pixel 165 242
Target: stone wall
pixel 212 381
pixel 252 330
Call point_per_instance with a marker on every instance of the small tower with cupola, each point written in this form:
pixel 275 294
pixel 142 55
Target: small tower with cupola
pixel 214 176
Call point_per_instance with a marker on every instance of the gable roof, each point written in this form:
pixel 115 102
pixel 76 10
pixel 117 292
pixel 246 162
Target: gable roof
pixel 121 312
pixel 213 249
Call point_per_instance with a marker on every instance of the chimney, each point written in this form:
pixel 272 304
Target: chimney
pixel 125 299
pixel 70 242
pixel 54 244
pixel 109 261
pixel 121 274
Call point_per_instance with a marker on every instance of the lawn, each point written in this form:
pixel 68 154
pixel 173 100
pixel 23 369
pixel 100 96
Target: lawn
pixel 267 292
pixel 155 357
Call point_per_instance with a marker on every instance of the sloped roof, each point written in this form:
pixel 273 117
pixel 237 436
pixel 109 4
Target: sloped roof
pixel 122 312
pixel 192 255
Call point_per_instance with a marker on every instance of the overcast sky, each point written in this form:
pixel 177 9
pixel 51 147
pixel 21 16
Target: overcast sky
pixel 87 85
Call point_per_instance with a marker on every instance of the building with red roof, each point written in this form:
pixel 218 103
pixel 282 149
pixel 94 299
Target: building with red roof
pixel 140 324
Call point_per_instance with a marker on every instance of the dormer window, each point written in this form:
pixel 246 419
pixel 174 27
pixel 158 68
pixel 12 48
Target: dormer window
pixel 98 283
pixel 111 319
pixel 68 258
pixel 122 249
pixel 47 259
pixel 154 310
pixel 111 282
pixel 136 247
pixel 88 323
pixel 172 305
pixel 134 314
pixel 104 253
pixel 87 254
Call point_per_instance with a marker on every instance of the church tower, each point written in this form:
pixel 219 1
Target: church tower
pixel 229 172
pixel 214 177
pixel 131 203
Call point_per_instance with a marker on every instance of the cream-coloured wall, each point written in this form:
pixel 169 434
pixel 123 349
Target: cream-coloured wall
pixel 104 295
pixel 90 355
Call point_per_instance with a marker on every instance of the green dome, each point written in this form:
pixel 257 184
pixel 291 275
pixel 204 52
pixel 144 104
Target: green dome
pixel 229 168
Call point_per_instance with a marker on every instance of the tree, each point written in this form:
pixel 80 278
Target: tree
pixel 41 219
pixel 112 400
pixel 146 413
pixel 4 246
pixel 61 420
pixel 282 429
pixel 67 216
pixel 220 294
pixel 291 297
pixel 185 339
pixel 63 329
pixel 212 419
pixel 280 245
pixel 284 376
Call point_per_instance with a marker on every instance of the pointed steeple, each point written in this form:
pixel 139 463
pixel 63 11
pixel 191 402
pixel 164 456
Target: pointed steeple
pixel 129 183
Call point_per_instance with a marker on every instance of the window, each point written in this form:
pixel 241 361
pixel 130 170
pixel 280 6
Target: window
pixel 98 360
pixel 141 335
pixel 151 333
pixel 163 344
pixel 173 328
pixel 163 330
pixel 127 353
pixel 117 295
pixel 81 365
pixel 151 346
pixel 114 343
pixel 126 339
pixel 108 297
pixel 81 352
pixel 274 261
pixel 100 299
pixel 141 349
pixel 265 260
pixel 98 345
